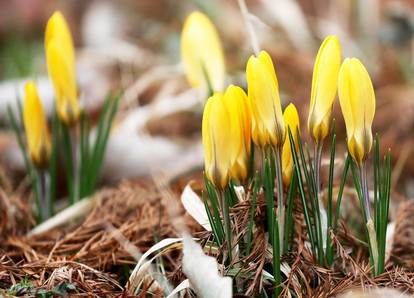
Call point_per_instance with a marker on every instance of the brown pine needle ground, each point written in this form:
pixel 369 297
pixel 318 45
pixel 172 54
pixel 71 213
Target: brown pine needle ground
pixel 90 255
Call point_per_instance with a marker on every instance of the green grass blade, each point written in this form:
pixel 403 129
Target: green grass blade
pixel 329 256
pixel 269 197
pixel 212 221
pixel 302 191
pixel 226 198
pixel 102 139
pixel 316 210
pixel 54 161
pixel 212 194
pixel 276 261
pixel 289 213
pixel 256 186
pixel 341 191
pixel 69 162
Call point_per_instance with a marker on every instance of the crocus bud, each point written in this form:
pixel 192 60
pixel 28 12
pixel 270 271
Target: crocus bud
pixel 35 125
pixel 216 133
pixel 226 136
pixel 237 104
pixel 324 87
pixel 202 53
pixel 268 127
pixel 357 99
pixel 291 118
pixel 60 56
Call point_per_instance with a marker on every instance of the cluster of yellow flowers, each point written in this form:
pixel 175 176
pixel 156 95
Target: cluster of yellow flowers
pixel 60 56
pixel 231 119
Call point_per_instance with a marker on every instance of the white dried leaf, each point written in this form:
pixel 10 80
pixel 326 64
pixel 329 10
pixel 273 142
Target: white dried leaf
pixel 185 284
pixel 389 242
pixel 195 207
pixel 144 264
pixel 240 193
pixel 374 293
pixel 77 210
pixel 202 271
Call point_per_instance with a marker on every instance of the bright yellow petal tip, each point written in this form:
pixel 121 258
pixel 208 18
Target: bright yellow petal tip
pixel 357 100
pixel 35 124
pixel 324 88
pixel 268 127
pixel 61 67
pixel 202 52
pixel 291 118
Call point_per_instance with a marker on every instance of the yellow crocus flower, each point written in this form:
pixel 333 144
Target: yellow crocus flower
pixel 216 135
pixel 268 127
pixel 226 136
pixel 357 100
pixel 237 104
pixel 291 119
pixel 60 56
pixel 202 52
pixel 35 125
pixel 324 87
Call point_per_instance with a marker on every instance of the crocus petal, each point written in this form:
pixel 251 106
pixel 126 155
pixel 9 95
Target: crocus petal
pixel 291 119
pixel 35 124
pixel 201 48
pixel 357 100
pixel 240 138
pixel 324 87
pixel 265 102
pixel 61 67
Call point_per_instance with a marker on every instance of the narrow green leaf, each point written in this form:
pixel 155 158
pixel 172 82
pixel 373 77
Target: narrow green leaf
pixel 215 205
pixel 269 197
pixel 226 198
pixel 212 222
pixel 54 161
pixel 69 162
pixel 256 186
pixel 276 261
pixel 289 213
pixel 302 191
pixel 329 253
pixel 341 191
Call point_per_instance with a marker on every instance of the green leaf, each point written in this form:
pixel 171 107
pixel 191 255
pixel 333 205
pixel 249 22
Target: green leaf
pixel 301 190
pixel 256 187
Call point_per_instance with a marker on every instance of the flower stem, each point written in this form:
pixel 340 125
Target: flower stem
pixel 280 203
pixel 323 221
pixel 365 192
pixel 368 217
pixel 276 263
pixel 45 194
pixel 226 218
pixel 76 176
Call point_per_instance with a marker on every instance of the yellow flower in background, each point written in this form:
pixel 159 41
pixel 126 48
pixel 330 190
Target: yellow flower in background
pixel 35 125
pixel 291 118
pixel 324 87
pixel 357 99
pixel 268 127
pixel 202 52
pixel 216 134
pixel 237 104
pixel 60 56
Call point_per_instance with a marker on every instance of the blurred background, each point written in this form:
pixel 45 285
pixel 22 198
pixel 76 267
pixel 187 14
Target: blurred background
pixel 135 45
